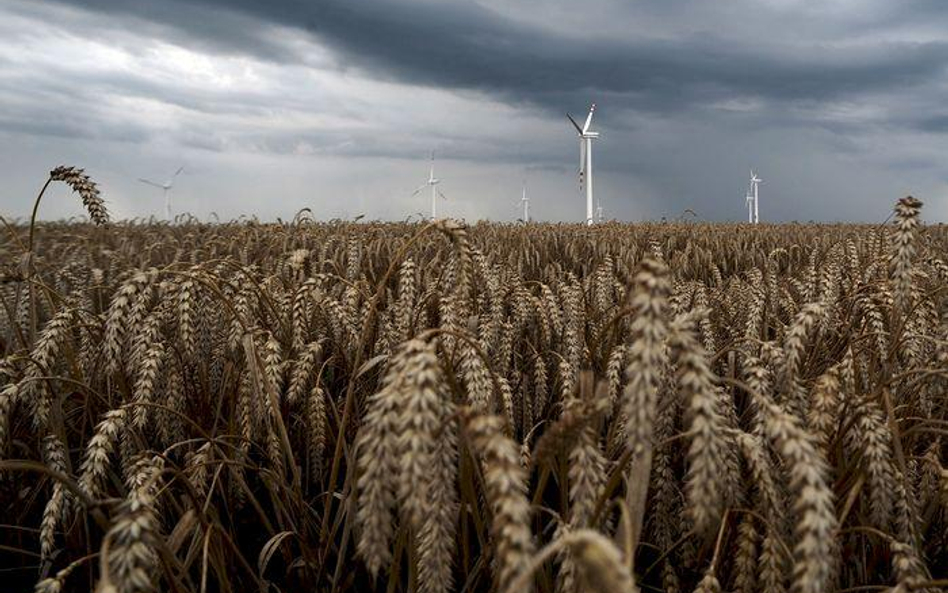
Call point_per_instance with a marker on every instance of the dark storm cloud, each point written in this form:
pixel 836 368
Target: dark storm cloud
pixel 173 20
pixel 468 46
pixel 842 98
pixel 934 123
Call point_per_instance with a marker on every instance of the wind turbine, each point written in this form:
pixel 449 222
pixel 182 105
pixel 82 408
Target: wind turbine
pixel 598 211
pixel 165 187
pixel 752 199
pixel 585 159
pixel 433 184
pixel 526 202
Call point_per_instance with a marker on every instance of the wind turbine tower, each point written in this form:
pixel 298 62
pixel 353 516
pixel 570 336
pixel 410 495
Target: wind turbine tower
pixel 749 200
pixel 585 159
pixel 752 199
pixel 433 184
pixel 165 188
pixel 526 203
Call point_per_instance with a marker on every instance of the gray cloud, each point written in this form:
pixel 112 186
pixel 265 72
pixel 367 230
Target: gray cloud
pixel 467 45
pixel 691 94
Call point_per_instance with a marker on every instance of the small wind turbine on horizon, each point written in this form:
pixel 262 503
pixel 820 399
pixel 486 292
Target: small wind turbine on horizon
pixel 599 215
pixel 433 184
pixel 165 187
pixel 525 201
pixel 585 159
pixel 752 199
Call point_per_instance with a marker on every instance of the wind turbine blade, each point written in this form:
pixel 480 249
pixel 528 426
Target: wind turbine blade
pixel 589 118
pixel 575 125
pixel 158 185
pixel 178 172
pixel 423 186
pixel 443 197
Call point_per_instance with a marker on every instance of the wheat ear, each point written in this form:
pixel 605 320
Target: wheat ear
pixel 86 188
pixel 505 485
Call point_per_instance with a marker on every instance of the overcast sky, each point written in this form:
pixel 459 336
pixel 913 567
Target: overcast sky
pixel 277 105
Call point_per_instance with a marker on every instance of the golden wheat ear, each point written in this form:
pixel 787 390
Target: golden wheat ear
pixel 903 251
pixel 86 188
pixel 505 493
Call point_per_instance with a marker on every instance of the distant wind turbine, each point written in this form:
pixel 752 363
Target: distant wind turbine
pixel 525 201
pixel 433 184
pixel 752 199
pixel 165 187
pixel 585 159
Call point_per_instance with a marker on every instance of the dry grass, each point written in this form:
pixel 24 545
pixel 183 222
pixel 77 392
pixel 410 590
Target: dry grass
pixel 406 407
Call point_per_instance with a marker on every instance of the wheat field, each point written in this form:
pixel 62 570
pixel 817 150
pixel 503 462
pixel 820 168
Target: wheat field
pixel 436 407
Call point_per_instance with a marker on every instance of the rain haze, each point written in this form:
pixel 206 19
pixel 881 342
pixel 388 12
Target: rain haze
pixel 335 105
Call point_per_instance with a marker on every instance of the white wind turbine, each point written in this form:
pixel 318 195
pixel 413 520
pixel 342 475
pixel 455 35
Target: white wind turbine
pixel 526 202
pixel 752 199
pixel 165 187
pixel 585 159
pixel 433 184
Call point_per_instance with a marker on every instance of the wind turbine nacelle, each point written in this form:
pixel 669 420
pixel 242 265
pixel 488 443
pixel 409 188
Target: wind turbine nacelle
pixel 591 135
